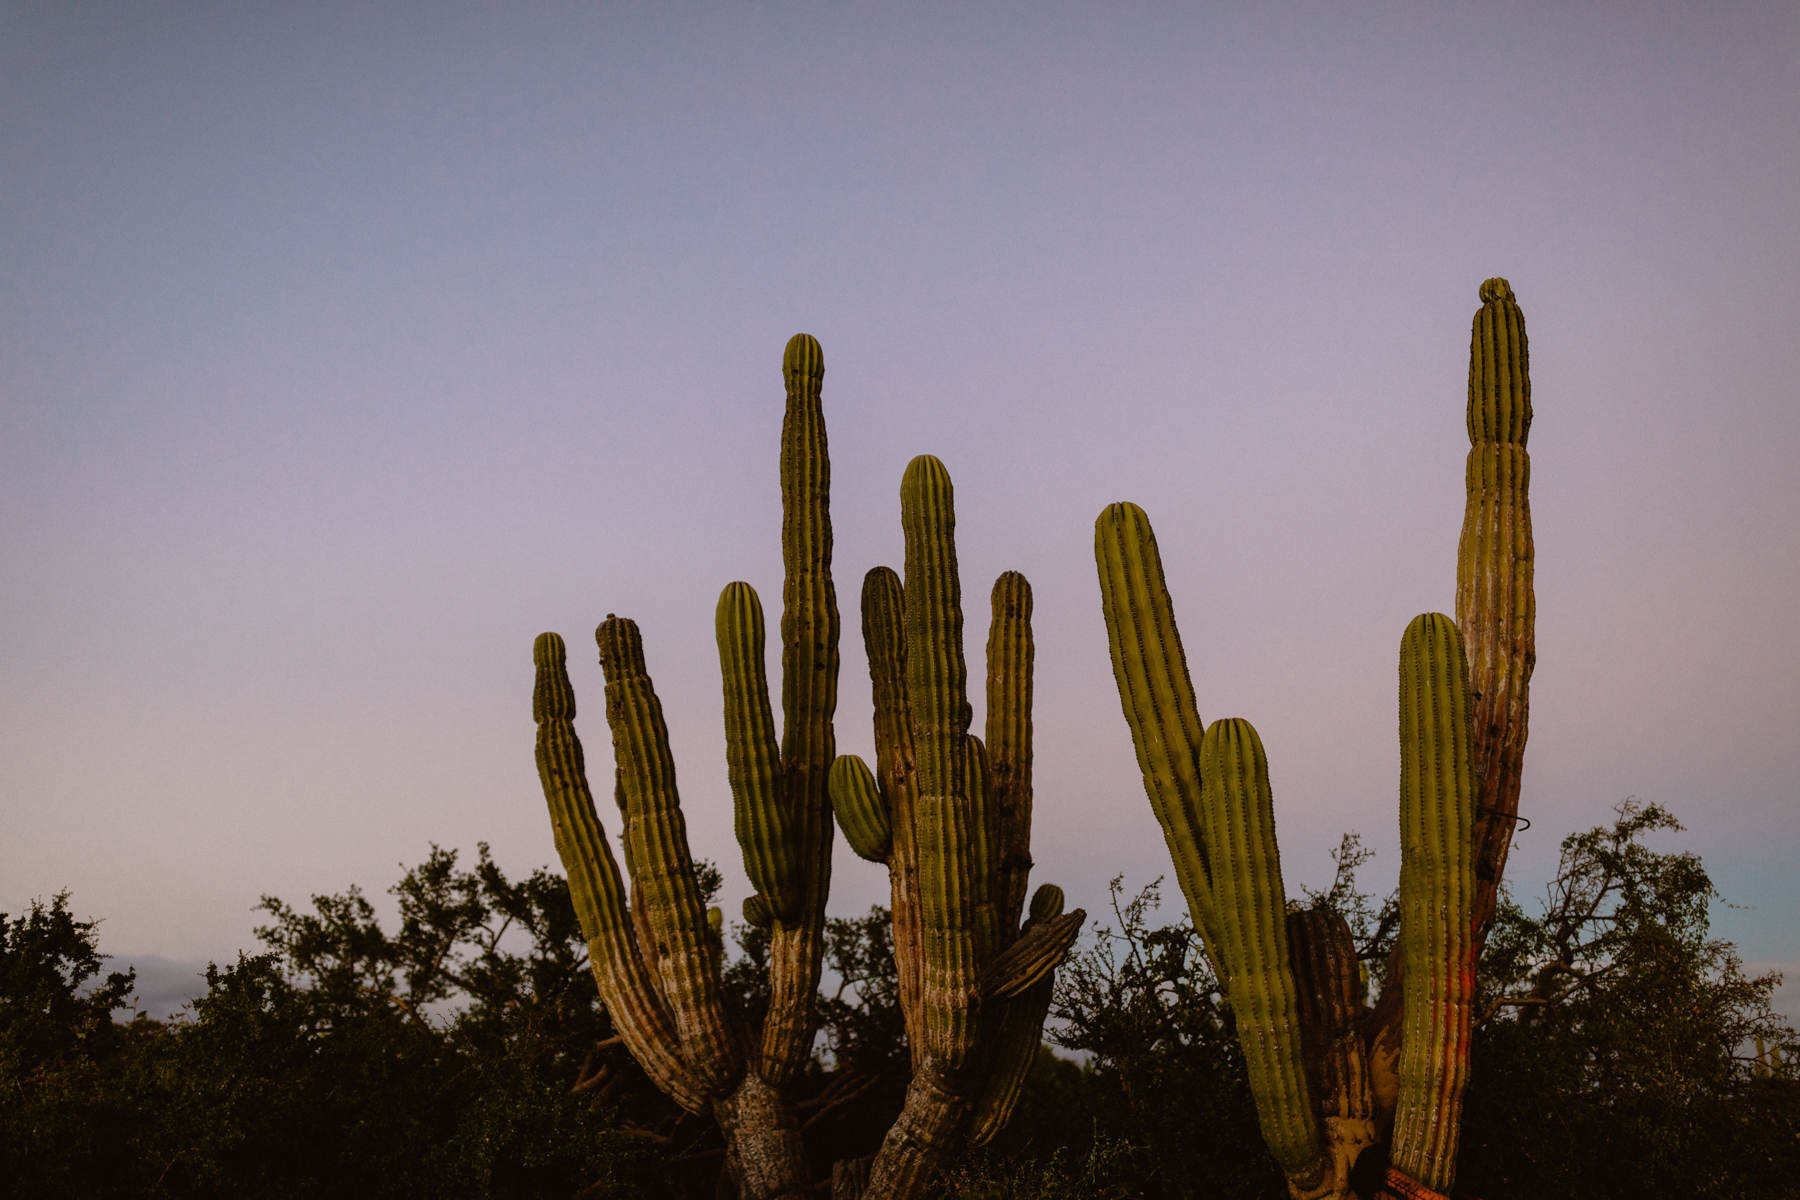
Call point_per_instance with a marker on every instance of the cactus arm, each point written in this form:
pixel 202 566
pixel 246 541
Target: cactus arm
pixel 662 867
pixel 626 985
pixel 809 676
pixel 1010 655
pixel 1020 984
pixel 762 822
pixel 1157 695
pixel 884 641
pixel 860 809
pixel 1238 823
pixel 1437 887
pixel 936 688
pixel 1495 603
pixel 984 843
pixel 1032 957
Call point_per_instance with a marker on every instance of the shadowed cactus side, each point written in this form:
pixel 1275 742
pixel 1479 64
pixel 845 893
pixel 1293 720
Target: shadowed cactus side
pixel 1325 1073
pixel 949 814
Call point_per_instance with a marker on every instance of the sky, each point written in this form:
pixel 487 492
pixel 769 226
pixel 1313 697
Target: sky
pixel 344 348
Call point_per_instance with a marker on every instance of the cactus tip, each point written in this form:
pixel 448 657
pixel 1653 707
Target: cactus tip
pixel 1495 289
pixel 548 650
pixel 1046 902
pixel 619 642
pixel 1121 512
pixel 803 357
pixel 924 465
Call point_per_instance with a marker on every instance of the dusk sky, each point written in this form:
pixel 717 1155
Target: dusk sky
pixel 347 347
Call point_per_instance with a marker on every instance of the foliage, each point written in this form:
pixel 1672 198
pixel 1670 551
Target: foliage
pixel 59 1121
pixel 464 1053
pixel 1142 1004
pixel 1616 1058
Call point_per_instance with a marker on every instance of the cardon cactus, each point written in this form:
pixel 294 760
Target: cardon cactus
pixel 950 817
pixel 1322 1070
pixel 1495 605
pixel 656 961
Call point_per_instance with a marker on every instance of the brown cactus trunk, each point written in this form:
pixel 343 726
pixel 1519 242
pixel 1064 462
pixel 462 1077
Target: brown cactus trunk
pixel 763 1149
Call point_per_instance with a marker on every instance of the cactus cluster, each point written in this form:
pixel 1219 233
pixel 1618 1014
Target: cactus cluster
pixel 949 814
pixel 954 830
pixel 654 956
pixel 1319 1066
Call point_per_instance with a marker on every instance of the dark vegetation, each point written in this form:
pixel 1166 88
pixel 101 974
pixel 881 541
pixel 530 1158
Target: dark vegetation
pixel 464 1054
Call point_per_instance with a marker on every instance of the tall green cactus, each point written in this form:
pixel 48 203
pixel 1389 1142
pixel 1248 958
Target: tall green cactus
pixel 1319 1081
pixel 656 961
pixel 1495 603
pixel 953 823
pixel 950 816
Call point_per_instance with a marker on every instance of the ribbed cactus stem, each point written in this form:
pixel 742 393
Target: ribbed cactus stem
pixel 884 641
pixel 663 869
pixel 1238 824
pixel 984 847
pixel 1157 695
pixel 1436 898
pixel 936 688
pixel 761 819
pixel 1010 657
pixel 809 614
pixel 626 986
pixel 1495 604
pixel 809 680
pixel 973 986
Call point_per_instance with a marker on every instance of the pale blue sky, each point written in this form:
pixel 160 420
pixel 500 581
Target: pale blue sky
pixel 345 350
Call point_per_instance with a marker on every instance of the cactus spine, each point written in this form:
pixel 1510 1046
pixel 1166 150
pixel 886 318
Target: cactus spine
pixel 950 816
pixel 1317 1080
pixel 657 959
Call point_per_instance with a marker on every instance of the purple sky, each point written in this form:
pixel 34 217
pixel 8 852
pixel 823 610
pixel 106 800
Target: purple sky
pixel 347 347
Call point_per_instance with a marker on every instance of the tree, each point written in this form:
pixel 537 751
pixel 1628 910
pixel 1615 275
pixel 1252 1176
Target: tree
pixel 59 1046
pixel 1615 1051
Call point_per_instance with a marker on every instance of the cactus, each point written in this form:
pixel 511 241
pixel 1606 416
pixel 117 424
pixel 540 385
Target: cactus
pixel 949 814
pixel 1437 815
pixel 1495 605
pixel 1322 1072
pixel 657 959
pixel 953 826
